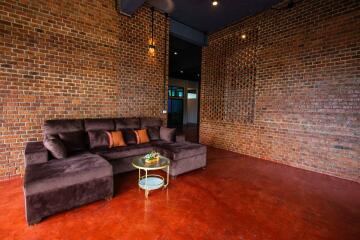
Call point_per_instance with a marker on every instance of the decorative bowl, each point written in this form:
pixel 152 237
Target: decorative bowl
pixel 152 157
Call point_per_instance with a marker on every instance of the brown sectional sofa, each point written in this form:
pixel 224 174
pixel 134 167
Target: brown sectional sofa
pixel 54 185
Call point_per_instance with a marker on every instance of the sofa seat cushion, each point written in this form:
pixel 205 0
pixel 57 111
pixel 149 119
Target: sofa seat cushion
pixel 70 171
pixel 177 151
pixel 123 152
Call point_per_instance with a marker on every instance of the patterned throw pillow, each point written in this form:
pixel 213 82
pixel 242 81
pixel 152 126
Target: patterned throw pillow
pixel 141 136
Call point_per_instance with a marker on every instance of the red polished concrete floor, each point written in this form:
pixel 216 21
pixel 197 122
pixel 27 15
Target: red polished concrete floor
pixel 235 197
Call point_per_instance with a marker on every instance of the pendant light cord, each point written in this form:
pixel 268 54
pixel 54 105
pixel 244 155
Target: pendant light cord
pixel 165 58
pixel 152 26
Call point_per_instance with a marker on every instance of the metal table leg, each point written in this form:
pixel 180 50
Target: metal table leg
pixel 146 186
pixel 167 177
pixel 139 178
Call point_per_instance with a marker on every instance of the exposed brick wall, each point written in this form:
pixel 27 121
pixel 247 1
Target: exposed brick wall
pixel 73 59
pixel 307 87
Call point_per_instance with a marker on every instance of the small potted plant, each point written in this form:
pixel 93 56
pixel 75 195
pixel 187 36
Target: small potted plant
pixel 152 157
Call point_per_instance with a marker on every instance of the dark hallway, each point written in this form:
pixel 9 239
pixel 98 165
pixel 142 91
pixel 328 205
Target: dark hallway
pixel 184 87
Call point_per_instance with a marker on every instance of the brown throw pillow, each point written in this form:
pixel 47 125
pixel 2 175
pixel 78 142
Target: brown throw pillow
pixel 141 136
pixel 154 133
pixel 74 141
pixel 55 147
pixel 167 134
pixel 98 139
pixel 130 136
pixel 117 139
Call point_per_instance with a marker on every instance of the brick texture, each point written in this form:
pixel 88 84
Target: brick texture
pixel 73 59
pixel 299 70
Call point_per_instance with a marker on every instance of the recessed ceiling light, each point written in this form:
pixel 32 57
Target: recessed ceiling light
pixel 215 3
pixel 175 53
pixel 243 36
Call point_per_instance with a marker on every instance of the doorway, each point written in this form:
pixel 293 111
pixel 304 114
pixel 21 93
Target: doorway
pixel 184 87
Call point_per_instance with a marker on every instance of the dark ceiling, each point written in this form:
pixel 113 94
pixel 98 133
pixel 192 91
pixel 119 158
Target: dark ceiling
pixel 201 15
pixel 186 63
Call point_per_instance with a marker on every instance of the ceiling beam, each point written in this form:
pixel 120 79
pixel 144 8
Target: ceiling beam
pixel 187 33
pixel 128 7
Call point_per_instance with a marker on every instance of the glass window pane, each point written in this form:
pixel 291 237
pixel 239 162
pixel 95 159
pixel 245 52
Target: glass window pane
pixel 174 91
pixel 191 96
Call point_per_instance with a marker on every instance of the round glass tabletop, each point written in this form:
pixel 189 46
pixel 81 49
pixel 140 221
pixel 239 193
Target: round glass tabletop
pixel 141 164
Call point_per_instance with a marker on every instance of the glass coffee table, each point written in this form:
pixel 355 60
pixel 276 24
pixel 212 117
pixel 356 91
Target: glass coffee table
pixel 150 182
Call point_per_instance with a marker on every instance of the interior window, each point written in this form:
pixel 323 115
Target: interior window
pixel 191 94
pixel 175 91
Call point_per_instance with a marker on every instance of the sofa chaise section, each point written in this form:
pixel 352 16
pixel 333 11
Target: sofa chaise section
pixel 185 156
pixel 59 185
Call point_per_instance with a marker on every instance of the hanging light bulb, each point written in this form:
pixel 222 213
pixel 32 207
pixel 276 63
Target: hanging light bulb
pixel 152 42
pixel 151 49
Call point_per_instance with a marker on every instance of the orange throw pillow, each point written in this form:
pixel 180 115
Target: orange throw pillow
pixel 117 139
pixel 141 136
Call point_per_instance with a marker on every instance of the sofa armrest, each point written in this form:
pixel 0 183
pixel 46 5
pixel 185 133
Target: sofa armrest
pixel 35 152
pixel 180 138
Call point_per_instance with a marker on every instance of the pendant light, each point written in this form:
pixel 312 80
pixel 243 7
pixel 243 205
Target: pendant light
pixel 152 42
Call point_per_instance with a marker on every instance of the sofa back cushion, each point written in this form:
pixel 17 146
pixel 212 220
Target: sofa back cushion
pixel 127 123
pixel 99 124
pixel 53 127
pixel 74 141
pixel 148 122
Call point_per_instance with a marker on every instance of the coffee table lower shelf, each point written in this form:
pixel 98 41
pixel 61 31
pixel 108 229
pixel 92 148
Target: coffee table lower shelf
pixel 151 182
